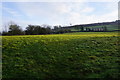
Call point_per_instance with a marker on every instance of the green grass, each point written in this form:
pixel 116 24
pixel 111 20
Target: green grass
pixel 71 55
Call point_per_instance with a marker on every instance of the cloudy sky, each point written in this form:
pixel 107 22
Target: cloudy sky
pixel 63 13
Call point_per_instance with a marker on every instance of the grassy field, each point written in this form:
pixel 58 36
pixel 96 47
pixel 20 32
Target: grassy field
pixel 70 55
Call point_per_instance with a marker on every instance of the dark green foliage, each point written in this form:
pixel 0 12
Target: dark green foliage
pixel 82 28
pixel 4 33
pixel 105 28
pixel 59 30
pixel 88 29
pixel 36 30
pixel 14 29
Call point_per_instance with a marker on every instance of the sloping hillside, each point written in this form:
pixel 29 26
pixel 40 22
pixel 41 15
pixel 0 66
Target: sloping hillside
pixel 111 26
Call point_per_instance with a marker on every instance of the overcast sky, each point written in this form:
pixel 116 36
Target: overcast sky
pixel 58 13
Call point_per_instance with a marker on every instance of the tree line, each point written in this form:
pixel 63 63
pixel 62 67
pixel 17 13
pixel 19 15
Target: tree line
pixel 15 29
